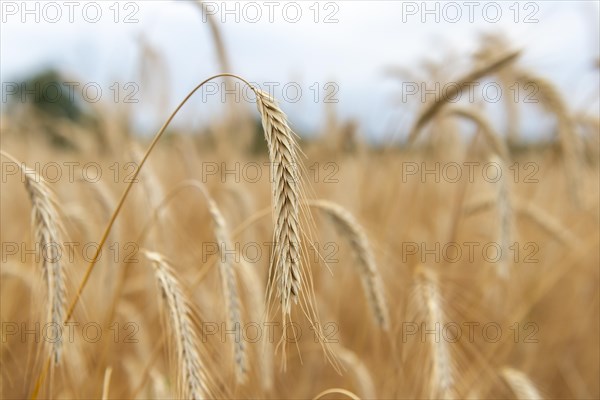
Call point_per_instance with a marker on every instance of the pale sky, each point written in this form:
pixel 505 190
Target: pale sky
pixel 560 42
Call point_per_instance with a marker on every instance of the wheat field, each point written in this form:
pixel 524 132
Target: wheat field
pixel 247 261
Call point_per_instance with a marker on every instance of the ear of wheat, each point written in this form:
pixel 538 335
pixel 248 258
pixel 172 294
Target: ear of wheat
pixel 47 230
pixel 192 374
pixel 285 175
pixel 369 274
pixel 442 377
pixel 520 384
pixel 228 282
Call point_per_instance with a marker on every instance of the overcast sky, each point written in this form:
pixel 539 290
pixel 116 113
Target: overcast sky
pixel 297 48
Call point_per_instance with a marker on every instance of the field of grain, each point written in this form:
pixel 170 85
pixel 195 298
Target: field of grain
pixel 246 261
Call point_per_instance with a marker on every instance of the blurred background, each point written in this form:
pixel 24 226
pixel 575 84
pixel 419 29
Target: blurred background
pixel 317 58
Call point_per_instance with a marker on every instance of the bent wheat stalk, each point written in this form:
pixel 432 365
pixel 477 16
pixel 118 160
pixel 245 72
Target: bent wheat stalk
pixel 431 110
pixel 570 143
pixel 369 274
pixel 192 379
pixel 47 229
pixel 493 138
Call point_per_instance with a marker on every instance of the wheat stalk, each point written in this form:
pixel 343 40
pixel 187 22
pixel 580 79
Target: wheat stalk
pixel 106 383
pixel 286 190
pixel 47 231
pixel 520 384
pixel 442 379
pixel 433 108
pixel 191 374
pixel 369 274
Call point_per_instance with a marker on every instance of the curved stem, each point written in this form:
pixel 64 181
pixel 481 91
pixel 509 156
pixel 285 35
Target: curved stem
pixel 115 213
pixel 338 391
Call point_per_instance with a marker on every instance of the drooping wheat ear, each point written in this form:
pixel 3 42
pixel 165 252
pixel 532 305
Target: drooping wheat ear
pixel 520 384
pixel 550 98
pixel 47 231
pixel 433 108
pixel 285 175
pixel 505 217
pixel 228 282
pixel 191 372
pixel 491 136
pixel 442 380
pixel 367 268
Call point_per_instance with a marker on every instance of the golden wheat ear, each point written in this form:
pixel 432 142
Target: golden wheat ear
pixel 285 175
pixel 367 268
pixel 228 281
pixel 47 232
pixel 442 380
pixel 192 375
